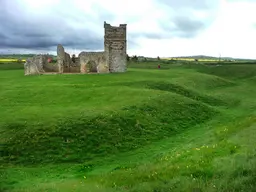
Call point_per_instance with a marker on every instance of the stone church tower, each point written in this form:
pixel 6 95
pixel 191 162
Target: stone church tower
pixel 115 47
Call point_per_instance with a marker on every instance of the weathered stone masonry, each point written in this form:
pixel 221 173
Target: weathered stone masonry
pixel 112 59
pixel 115 47
pixel 91 62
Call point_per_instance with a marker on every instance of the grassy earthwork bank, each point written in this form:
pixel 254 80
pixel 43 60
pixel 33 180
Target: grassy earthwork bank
pixel 183 127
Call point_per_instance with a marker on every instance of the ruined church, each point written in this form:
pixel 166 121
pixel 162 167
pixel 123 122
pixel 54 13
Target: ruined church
pixel 111 60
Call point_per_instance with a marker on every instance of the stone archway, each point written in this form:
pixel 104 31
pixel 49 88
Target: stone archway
pixel 93 62
pixel 92 67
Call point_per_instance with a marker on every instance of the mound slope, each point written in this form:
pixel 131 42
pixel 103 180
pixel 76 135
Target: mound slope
pixel 82 138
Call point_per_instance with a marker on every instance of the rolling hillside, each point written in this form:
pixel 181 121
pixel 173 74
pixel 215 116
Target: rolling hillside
pixel 179 128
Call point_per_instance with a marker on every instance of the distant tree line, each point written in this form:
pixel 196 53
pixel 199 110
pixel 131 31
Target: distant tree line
pixel 133 58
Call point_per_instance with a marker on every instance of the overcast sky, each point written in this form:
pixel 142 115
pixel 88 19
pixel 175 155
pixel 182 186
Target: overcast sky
pixel 162 28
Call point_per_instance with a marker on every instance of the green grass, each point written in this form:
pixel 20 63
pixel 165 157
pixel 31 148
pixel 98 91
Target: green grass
pixel 183 127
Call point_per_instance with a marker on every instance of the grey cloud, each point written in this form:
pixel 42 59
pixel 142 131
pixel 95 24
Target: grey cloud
pixel 148 35
pixel 74 28
pixel 185 24
pixel 182 21
pixel 66 24
pixel 191 4
pixel 39 42
pixel 179 26
pixel 184 27
pixel 2 36
pixel 233 1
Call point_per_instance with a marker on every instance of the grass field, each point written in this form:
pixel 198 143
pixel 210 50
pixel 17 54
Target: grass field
pixel 178 128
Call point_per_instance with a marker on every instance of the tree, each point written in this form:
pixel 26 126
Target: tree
pixel 127 57
pixel 135 58
pixel 158 58
pixel 73 58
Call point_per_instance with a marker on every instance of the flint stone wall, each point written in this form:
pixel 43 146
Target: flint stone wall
pixel 67 62
pixel 35 65
pixel 63 60
pixel 38 65
pixel 115 47
pixel 60 58
pixel 75 66
pixel 93 62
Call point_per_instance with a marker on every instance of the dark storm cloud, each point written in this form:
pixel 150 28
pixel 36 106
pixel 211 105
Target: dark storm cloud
pixel 73 27
pixel 64 25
